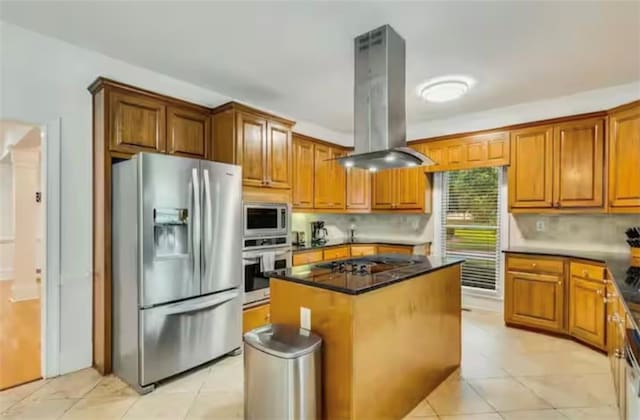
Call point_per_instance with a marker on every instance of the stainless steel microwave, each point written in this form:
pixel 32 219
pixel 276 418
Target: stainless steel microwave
pixel 266 219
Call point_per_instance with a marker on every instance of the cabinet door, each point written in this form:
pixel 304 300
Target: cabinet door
pixel 383 189
pixel 335 253
pixel 278 155
pixel 587 311
pixel 338 180
pixel 534 300
pixel 409 189
pixel 322 181
pixel 137 123
pixel 579 163
pixel 624 160
pixel 358 189
pixel 252 132
pixel 362 250
pixel 531 170
pixel 188 132
pixel 302 173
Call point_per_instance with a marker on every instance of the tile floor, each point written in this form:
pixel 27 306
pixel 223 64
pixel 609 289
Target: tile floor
pixel 506 374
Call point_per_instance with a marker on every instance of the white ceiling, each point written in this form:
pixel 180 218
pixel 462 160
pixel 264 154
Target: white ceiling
pixel 296 57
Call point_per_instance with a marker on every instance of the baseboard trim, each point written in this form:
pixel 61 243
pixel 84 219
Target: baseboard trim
pixel 6 275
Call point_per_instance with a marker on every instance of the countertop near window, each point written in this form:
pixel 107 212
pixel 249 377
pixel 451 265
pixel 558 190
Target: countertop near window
pixel 617 264
pixel 322 276
pixel 368 241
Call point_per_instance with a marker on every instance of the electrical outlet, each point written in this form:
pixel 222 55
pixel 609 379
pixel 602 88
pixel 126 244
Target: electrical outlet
pixel 540 226
pixel 305 318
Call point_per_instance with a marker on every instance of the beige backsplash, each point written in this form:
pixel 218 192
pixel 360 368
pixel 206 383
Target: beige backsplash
pixel 375 226
pixel 580 232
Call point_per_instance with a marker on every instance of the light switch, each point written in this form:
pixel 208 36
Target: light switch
pixel 540 226
pixel 305 318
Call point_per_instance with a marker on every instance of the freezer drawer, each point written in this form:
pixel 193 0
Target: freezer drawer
pixel 179 336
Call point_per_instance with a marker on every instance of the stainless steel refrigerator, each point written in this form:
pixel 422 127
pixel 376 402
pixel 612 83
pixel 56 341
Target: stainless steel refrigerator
pixel 177 265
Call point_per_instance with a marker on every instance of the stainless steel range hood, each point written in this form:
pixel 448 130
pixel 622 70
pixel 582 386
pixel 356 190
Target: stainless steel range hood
pixel 379 112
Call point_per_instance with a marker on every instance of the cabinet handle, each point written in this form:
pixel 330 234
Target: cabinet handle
pixel 585 273
pixel 560 282
pixel 612 295
pixel 534 265
pixel 617 354
pixel 599 292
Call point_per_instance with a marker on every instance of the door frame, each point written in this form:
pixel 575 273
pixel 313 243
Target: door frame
pixel 50 284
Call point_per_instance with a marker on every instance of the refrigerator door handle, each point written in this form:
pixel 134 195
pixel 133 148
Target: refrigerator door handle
pixel 185 307
pixel 207 223
pixel 196 224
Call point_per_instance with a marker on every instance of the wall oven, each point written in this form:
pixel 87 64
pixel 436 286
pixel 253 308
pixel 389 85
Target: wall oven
pixel 256 283
pixel 266 219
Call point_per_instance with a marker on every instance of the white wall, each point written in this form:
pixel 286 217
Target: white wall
pixel 6 220
pixel 42 79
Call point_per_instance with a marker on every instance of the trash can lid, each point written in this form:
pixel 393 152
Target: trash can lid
pixel 284 341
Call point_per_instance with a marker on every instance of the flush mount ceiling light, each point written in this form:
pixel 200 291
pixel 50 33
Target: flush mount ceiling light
pixel 445 88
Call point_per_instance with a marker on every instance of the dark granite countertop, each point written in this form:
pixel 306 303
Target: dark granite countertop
pixel 319 275
pixel 625 278
pixel 339 242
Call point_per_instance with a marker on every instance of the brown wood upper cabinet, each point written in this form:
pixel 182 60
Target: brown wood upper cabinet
pixel 358 189
pixel 259 142
pixel 188 132
pixel 302 182
pixel 476 151
pixel 137 122
pixel 329 178
pixel 557 167
pixel 624 159
pixel 578 153
pixel 401 189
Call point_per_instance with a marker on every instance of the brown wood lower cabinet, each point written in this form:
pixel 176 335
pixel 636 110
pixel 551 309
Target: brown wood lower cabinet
pixel 336 253
pixel 587 311
pixel 355 250
pixel 362 250
pixel 255 317
pixel 534 300
pixel 558 295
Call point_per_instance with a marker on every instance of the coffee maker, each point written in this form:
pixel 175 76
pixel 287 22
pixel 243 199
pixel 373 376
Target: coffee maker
pixel 318 233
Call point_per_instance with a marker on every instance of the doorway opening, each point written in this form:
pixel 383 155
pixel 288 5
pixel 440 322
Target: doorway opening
pixel 22 252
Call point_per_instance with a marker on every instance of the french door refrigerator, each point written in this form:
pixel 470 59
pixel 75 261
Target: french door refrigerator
pixel 177 265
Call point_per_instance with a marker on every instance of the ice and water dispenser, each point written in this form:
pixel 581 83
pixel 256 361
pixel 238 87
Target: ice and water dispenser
pixel 171 232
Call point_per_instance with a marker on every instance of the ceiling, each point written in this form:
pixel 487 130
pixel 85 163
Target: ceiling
pixel 296 57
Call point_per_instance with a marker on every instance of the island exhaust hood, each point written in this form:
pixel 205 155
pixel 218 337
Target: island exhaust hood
pixel 380 133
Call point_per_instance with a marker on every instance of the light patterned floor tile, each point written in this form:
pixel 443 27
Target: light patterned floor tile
pixel 74 385
pixel 476 366
pixel 38 410
pixel 484 416
pixel 6 403
pixel 217 405
pixel 574 390
pixel 457 397
pixel 22 391
pixel 227 376
pixel 188 382
pixel 161 406
pixel 109 408
pixel 507 394
pixel 423 409
pixel 111 387
pixel 549 414
pixel 595 413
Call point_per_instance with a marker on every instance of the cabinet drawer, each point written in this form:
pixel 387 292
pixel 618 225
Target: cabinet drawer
pixel 336 253
pixel 362 250
pixel 307 257
pixel 255 317
pixel 587 271
pixel 535 265
pixel 390 249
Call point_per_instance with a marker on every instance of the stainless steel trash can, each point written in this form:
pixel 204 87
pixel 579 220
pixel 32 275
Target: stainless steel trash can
pixel 282 373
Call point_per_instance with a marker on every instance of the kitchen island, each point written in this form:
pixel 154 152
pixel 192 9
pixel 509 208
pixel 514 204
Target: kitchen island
pixel 390 325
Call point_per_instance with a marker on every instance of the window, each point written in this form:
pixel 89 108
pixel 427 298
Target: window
pixel 470 224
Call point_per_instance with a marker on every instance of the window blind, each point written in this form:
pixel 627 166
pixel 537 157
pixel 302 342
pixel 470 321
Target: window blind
pixel 470 225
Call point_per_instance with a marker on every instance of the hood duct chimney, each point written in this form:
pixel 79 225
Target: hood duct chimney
pixel 380 133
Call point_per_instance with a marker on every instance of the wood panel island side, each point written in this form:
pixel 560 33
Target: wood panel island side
pixel 389 337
